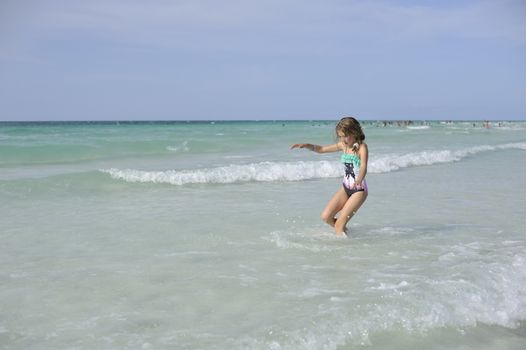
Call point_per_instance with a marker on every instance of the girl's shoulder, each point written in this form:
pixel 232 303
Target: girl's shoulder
pixel 362 150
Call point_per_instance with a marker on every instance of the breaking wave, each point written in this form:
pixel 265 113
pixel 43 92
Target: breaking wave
pixel 298 171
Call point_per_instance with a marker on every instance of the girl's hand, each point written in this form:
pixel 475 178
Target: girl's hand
pixel 357 186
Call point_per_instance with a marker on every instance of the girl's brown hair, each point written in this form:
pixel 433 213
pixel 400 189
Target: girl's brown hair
pixel 349 126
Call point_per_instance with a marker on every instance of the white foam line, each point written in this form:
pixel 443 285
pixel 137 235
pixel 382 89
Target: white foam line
pixel 297 171
pixel 265 171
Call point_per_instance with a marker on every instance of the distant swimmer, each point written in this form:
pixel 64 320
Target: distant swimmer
pixel 350 197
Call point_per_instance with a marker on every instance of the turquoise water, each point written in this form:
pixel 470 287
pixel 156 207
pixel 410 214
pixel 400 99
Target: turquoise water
pixel 207 236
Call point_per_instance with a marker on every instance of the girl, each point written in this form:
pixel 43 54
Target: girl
pixel 350 197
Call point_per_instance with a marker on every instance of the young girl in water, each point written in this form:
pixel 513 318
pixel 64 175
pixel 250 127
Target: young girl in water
pixel 350 197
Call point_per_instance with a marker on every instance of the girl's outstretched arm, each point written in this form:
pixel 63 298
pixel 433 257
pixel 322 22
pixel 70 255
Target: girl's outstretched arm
pixel 317 148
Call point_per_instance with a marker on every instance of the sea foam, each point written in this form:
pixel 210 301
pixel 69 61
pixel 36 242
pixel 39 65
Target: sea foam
pixel 300 170
pixel 264 171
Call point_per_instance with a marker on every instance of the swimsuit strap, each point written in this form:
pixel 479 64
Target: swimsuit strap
pixel 352 157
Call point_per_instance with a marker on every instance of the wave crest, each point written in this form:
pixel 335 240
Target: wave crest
pixel 265 171
pixel 297 171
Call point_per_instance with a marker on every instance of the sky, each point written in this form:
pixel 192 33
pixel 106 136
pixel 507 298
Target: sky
pixel 262 59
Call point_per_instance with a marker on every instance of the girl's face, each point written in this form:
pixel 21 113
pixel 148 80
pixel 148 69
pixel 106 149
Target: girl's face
pixel 348 140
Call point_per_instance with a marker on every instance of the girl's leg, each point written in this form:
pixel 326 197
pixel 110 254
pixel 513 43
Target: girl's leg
pixel 334 206
pixel 349 209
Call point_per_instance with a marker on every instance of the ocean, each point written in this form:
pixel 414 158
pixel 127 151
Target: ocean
pixel 207 235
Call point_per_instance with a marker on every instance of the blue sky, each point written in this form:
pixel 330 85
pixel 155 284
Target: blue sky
pixel 274 59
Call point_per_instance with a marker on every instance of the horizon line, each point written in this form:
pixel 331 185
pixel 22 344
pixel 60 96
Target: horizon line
pixel 253 120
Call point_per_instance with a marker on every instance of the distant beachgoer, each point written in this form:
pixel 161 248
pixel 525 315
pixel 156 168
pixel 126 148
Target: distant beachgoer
pixel 350 197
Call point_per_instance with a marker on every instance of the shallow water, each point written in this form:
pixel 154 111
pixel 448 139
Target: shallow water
pixel 207 236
